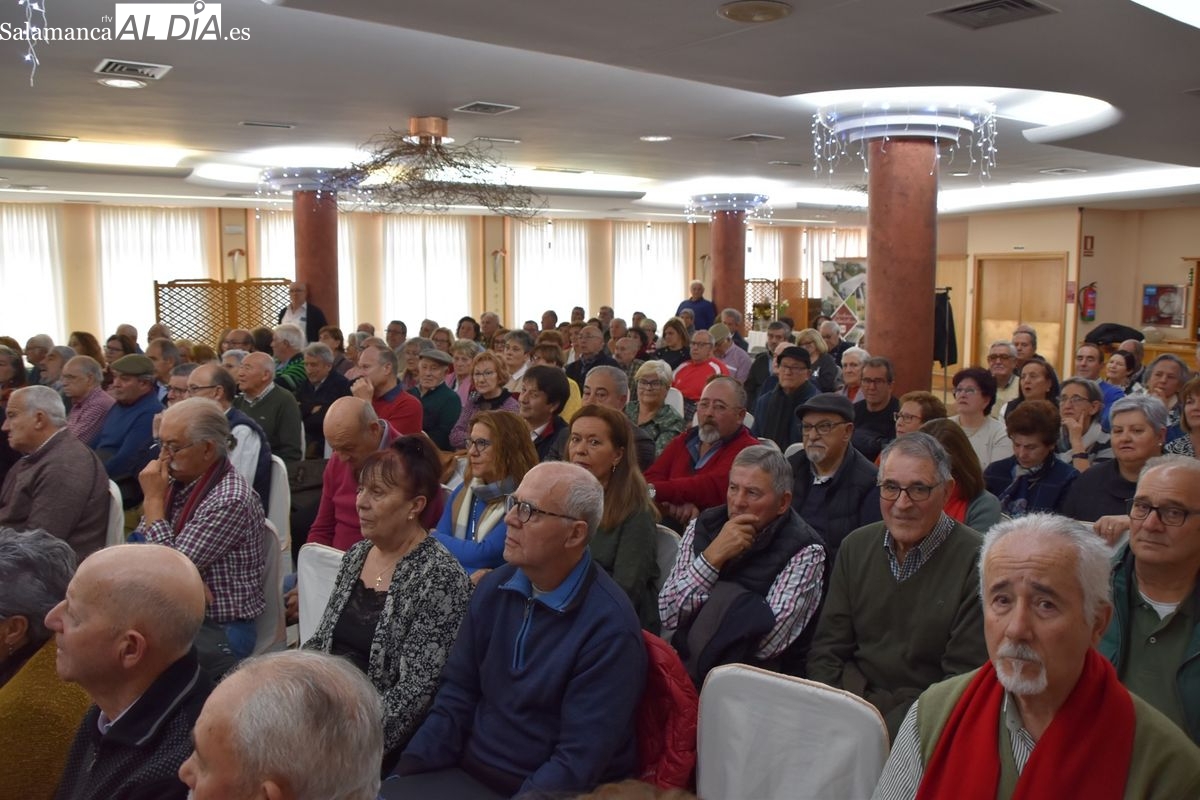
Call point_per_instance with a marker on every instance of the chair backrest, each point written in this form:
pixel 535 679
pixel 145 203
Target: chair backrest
pixel 279 510
pixel 316 570
pixel 269 629
pixel 792 449
pixel 775 737
pixel 116 517
pixel 666 550
pixel 675 400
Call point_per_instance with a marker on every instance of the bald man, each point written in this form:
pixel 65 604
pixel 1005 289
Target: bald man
pixel 274 409
pixel 124 634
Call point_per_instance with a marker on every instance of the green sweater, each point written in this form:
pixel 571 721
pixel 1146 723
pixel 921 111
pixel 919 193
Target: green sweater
pixel 629 555
pixel 279 415
pixel 887 641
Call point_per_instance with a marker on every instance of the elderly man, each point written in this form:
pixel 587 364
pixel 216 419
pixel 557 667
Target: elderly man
pixel 608 386
pixel 692 472
pixel 36 350
pixel 625 352
pixel 125 440
pixel 238 339
pixel 440 405
pixel 759 563
pixel 59 485
pixel 489 323
pixel 197 504
pixel 83 380
pixel 301 313
pixel 1024 339
pixel 903 610
pixel 165 356
pixel 736 360
pixel 52 366
pixel 251 454
pixel 775 413
pixel 1002 363
pixel 396 334
pixel 589 352
pixel 159 330
pixel 276 706
pixel 1089 365
pixel 124 634
pixel 274 409
pixel 732 319
pixel 287 344
pixel 691 376
pixel 835 489
pixel 380 386
pixel 1066 727
pixel 541 689
pixel 762 371
pixel 322 386
pixel 178 382
pixel 704 313
pixel 831 333
pixel 1154 637
pixel 875 414
pixel 125 329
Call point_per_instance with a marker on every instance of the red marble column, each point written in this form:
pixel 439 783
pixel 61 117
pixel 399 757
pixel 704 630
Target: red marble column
pixel 902 257
pixel 315 221
pixel 728 239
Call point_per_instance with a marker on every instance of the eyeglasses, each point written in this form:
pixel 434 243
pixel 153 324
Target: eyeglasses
pixel 1072 400
pixel 526 510
pixel 965 391
pixel 696 344
pixel 648 384
pixel 999 358
pixel 917 492
pixel 172 449
pixel 874 381
pixel 1172 516
pixel 177 390
pixel 822 428
pixel 907 419
pixel 479 444
pixel 196 389
pixel 491 373
pixel 791 368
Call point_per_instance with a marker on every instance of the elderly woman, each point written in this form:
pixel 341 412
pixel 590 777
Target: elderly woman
pixel 974 395
pixel 232 359
pixel 852 361
pixel 488 376
pixel 969 502
pixel 601 441
pixel 468 329
pixel 825 372
pixel 39 714
pixel 1189 421
pixel 1164 377
pixel 443 339
pixel 499 453
pixel 1102 494
pixel 1033 478
pixel 1038 381
pixel 917 408
pixel 674 341
pixel 399 596
pixel 463 351
pixel 332 337
pixel 1119 371
pixel 650 411
pixel 1082 441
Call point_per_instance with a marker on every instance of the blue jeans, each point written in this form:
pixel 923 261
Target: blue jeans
pixel 241 636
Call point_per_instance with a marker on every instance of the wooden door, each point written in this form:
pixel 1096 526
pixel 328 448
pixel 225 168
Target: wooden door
pixel 1021 288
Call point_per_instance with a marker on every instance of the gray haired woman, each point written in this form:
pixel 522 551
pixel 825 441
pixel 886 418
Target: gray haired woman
pixel 650 411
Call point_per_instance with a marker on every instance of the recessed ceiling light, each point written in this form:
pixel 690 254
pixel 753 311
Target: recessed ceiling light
pixel 752 12
pixel 960 174
pixel 786 163
pixel 1063 171
pixel 122 83
pixel 655 138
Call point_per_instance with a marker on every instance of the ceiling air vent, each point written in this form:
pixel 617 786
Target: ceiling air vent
pixel 250 123
pixel 989 13
pixel 484 107
pixel 756 138
pixel 132 69
pixel 36 137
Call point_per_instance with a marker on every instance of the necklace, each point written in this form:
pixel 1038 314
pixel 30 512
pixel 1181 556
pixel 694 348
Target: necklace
pixel 391 566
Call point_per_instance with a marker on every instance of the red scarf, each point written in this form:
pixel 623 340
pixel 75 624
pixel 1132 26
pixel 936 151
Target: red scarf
pixel 956 505
pixel 1085 752
pixel 204 484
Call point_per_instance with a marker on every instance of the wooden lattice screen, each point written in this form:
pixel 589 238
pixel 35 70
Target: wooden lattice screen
pixel 763 297
pixel 201 310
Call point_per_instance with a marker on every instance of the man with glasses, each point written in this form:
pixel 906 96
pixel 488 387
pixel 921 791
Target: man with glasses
pixel 691 376
pixel 540 692
pixel 1153 639
pixel 1002 363
pixel 903 607
pixel 589 352
pixel 834 488
pixel 238 339
pixel 875 414
pixel 251 453
pixel 775 411
pixel 301 313
pixel 395 334
pixel 693 471
pixel 83 380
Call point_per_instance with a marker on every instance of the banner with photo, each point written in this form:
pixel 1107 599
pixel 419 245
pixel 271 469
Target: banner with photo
pixel 844 296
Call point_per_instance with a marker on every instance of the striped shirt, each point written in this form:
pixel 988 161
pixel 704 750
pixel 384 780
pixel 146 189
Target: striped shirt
pixel 919 553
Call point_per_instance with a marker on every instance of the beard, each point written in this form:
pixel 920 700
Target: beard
pixel 1011 678
pixel 709 433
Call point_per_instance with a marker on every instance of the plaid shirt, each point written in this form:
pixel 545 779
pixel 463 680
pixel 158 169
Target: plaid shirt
pixel 919 553
pixel 224 539
pixel 87 416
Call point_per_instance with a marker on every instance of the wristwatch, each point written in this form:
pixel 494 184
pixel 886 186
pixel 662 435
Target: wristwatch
pixel 653 492
pixel 1078 455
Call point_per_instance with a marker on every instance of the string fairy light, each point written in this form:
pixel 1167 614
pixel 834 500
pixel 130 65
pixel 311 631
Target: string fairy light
pixel 33 10
pixel 707 206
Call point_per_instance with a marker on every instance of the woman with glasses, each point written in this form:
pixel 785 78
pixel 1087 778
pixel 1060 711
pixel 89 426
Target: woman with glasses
pixel 443 339
pixel 118 346
pixel 1038 381
pixel 1082 441
pixel 852 361
pixel 650 411
pixel 675 343
pixel 601 441
pixel 463 351
pixel 399 596
pixel 917 408
pixel 969 501
pixel 824 371
pixel 974 395
pixel 1032 478
pixel 499 453
pixel 488 376
pixel 1189 421
pixel 1102 494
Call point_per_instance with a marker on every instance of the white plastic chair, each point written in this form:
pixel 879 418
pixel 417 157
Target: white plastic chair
pixel 675 400
pixel 116 517
pixel 280 508
pixel 766 736
pixel 792 449
pixel 316 570
pixel 666 550
pixel 270 632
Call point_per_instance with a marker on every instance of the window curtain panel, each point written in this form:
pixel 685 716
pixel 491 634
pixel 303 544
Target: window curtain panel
pixel 277 258
pixel 764 252
pixel 426 265
pixel 649 269
pixel 828 244
pixel 31 268
pixel 550 268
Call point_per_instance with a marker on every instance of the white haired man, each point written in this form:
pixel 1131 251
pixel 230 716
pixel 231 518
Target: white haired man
pixel 287 345
pixel 83 380
pixel 301 313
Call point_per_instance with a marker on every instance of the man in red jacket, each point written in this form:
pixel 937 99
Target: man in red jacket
pixel 693 471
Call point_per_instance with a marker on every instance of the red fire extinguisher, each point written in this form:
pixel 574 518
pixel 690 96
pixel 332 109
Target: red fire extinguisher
pixel 1087 303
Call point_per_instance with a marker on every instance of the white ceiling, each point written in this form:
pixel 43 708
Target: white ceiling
pixel 589 79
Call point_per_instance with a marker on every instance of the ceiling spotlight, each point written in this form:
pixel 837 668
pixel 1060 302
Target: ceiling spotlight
pixel 752 12
pixel 122 83
pixel 1062 171
pixel 960 174
pixel 655 138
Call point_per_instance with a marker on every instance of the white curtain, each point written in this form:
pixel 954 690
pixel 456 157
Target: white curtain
pixel 139 246
pixel 425 267
pixel 649 268
pixel 276 245
pixel 347 292
pixel 764 252
pixel 550 268
pixel 827 244
pixel 31 272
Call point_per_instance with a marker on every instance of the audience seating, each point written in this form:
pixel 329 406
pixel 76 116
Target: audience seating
pixel 774 737
pixel 675 400
pixel 116 517
pixel 792 449
pixel 666 548
pixel 279 509
pixel 270 632
pixel 316 570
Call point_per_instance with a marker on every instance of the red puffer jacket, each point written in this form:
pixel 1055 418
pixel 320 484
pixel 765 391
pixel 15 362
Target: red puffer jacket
pixel 666 719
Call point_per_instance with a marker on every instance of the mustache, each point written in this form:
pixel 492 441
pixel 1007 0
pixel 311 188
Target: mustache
pixel 1022 652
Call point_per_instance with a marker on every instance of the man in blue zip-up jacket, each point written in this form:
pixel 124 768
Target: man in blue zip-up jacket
pixel 541 688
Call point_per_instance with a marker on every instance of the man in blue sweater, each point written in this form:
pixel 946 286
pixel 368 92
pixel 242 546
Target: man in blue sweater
pixel 541 688
pixel 125 442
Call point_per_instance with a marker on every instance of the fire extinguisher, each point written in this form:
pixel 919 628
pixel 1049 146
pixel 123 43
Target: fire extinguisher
pixel 1087 303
